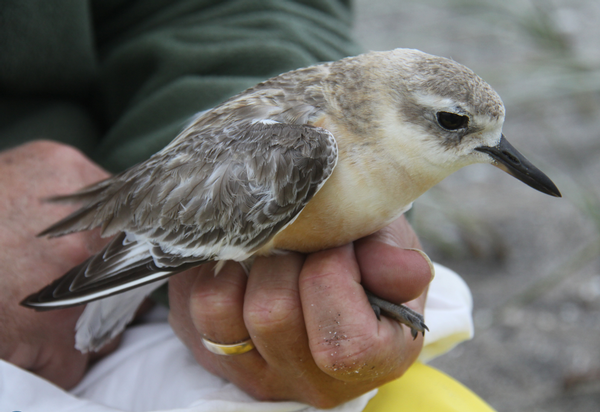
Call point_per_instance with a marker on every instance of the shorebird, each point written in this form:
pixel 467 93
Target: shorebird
pixel 308 160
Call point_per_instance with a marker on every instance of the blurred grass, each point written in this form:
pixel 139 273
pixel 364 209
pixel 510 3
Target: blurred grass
pixel 535 19
pixel 557 68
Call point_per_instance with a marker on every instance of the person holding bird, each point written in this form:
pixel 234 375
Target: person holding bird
pixel 302 179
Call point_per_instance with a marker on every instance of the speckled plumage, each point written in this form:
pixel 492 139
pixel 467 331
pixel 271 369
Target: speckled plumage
pixel 311 159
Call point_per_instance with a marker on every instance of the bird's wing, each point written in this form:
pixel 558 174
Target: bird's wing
pixel 220 195
pixel 119 267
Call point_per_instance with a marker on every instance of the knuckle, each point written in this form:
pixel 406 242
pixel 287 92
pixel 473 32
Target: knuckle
pixel 212 303
pixel 272 313
pixel 215 305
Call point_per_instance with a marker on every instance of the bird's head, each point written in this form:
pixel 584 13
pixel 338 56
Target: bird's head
pixel 445 117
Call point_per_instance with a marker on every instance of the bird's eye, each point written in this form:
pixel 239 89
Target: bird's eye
pixel 452 121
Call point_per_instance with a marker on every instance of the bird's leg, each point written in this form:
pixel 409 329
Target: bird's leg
pixel 400 313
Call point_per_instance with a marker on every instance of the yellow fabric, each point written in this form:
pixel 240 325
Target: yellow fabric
pixel 425 389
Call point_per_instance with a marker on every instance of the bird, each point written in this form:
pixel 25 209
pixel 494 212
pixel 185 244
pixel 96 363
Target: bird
pixel 308 160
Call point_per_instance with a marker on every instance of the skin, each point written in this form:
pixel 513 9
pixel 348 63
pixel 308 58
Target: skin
pixel 41 342
pixel 318 340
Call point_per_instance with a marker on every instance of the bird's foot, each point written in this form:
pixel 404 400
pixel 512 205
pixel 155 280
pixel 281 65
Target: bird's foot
pixel 400 313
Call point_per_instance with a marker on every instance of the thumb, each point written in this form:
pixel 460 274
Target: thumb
pixel 391 263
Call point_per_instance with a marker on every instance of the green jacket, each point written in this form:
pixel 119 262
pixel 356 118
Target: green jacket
pixel 119 78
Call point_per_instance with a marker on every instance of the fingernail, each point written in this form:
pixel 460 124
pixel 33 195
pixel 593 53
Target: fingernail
pixel 429 262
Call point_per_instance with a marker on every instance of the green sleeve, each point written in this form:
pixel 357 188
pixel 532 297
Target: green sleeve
pixel 163 61
pixel 120 78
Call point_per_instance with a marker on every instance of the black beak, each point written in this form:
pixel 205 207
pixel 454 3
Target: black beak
pixel 514 163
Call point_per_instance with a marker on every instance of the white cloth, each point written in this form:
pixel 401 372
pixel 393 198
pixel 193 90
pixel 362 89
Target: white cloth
pixel 448 314
pixel 153 371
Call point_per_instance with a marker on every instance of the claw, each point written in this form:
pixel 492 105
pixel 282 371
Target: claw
pixel 415 333
pixel 400 313
pixel 377 311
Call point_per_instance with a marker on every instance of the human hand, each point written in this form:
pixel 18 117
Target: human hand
pixel 41 342
pixel 317 338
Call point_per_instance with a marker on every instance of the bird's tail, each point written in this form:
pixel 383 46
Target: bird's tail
pixel 119 267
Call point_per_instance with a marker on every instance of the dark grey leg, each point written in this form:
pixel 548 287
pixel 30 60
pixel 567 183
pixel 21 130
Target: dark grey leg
pixel 400 313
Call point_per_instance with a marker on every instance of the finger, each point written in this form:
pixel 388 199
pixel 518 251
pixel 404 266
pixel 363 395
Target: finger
pixel 180 318
pixel 273 311
pixel 211 307
pixel 216 303
pixel 390 265
pixel 346 339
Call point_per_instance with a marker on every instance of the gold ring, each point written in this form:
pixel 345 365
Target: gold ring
pixel 228 350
